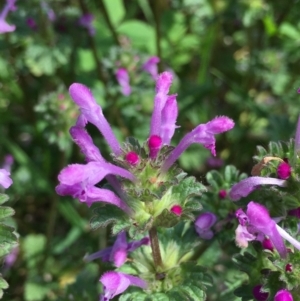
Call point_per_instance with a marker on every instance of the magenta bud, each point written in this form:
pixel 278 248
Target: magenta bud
pixel 258 294
pixel 267 244
pixel 132 158
pixel 283 295
pixel 154 144
pixel 222 194
pixel 176 209
pixel 283 171
pixel 289 268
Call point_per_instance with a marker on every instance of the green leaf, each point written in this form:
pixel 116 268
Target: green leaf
pixel 7 235
pixel 35 291
pixel 141 34
pixel 3 285
pixel 6 212
pixel 116 10
pixel 105 215
pixel 3 198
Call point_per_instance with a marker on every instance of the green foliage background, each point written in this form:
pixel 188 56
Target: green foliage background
pixel 234 58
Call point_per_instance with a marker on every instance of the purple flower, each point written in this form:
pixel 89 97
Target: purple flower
pixel 150 66
pixel 168 119
pixel 258 221
pixel 79 181
pixel 86 22
pixel 92 112
pixel 163 84
pixel 118 252
pixel 5 180
pixel 123 80
pixel 203 134
pixel 203 224
pixel 4 26
pixel 246 186
pixel 115 283
pixel 283 295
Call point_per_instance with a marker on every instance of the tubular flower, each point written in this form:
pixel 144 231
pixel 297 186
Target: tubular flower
pixel 257 223
pixel 150 66
pixel 246 186
pixel 5 180
pixel 203 225
pixel 79 181
pixel 115 283
pixel 203 134
pixel 4 26
pixel 118 252
pixel 123 80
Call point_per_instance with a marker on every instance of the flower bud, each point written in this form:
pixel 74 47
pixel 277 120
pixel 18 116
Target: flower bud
pixel 222 194
pixel 154 144
pixel 289 268
pixel 283 171
pixel 267 244
pixel 258 294
pixel 176 209
pixel 283 295
pixel 132 158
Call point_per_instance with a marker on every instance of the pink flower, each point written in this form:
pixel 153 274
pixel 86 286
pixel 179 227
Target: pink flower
pixel 150 66
pixel 203 225
pixel 123 80
pixel 4 26
pixel 115 283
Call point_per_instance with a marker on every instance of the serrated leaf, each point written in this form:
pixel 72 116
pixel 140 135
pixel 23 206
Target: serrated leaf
pixel 188 187
pixel 3 198
pixel 6 212
pixel 6 234
pixel 105 215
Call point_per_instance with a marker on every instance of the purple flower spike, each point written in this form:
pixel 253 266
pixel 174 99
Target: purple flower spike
pixel 5 180
pixel 163 84
pixel 115 283
pixel 85 142
pixel 151 66
pixel 203 224
pixel 123 80
pixel 260 219
pixel 203 134
pixel 168 119
pixel 92 112
pixel 246 186
pixel 283 295
pixel 4 26
pixel 118 252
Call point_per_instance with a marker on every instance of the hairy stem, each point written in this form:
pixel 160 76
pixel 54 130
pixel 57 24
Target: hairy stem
pixel 155 247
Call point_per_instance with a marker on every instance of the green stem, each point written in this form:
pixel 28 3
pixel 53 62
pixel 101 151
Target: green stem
pixel 108 22
pixel 156 12
pixel 155 247
pixel 92 43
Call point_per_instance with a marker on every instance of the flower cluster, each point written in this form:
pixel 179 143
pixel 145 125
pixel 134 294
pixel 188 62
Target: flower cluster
pixel 146 189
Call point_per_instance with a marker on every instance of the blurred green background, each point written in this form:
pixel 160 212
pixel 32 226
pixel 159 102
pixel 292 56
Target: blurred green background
pixel 229 57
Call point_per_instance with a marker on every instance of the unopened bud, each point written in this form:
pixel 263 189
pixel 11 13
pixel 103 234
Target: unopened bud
pixel 284 171
pixel 154 144
pixel 176 209
pixel 289 267
pixel 132 158
pixel 258 294
pixel 222 194
pixel 267 244
pixel 283 295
